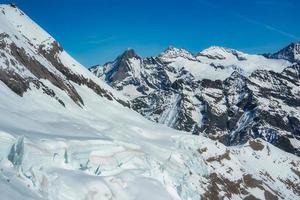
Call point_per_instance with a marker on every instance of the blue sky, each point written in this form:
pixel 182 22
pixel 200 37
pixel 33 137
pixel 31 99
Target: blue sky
pixel 96 31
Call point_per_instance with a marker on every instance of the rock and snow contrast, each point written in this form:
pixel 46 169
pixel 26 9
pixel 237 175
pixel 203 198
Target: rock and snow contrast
pixel 221 93
pixel 66 135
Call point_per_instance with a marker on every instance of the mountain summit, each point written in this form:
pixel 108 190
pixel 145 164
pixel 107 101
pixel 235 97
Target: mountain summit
pixel 222 93
pixel 221 53
pixel 173 52
pixel 291 52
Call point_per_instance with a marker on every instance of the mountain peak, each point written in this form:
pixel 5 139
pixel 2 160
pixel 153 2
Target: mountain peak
pixel 11 6
pixel 172 48
pixel 173 52
pixel 175 49
pixel 221 53
pixel 216 50
pixel 294 46
pixel 129 53
pixel 290 52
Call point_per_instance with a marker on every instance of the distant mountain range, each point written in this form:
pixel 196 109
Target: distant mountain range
pixel 222 93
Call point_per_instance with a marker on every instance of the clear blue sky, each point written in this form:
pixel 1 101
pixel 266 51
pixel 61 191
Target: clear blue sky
pixel 96 31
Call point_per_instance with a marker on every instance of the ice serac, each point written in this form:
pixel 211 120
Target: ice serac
pixel 65 136
pixel 16 152
pixel 222 93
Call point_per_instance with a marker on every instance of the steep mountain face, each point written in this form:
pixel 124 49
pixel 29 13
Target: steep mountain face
pixel 31 58
pixel 222 93
pixel 65 135
pixel 291 53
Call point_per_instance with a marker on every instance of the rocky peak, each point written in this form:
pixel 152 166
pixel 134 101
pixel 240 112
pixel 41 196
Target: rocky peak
pixel 291 52
pixel 123 67
pixel 182 91
pixel 129 53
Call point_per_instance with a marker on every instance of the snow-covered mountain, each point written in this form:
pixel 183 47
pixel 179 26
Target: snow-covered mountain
pixel 31 58
pixel 223 93
pixel 291 53
pixel 66 135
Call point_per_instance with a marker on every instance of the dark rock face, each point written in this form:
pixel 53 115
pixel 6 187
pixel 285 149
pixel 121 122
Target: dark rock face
pixel 14 81
pixel 18 59
pixel 79 79
pixel 122 67
pixel 42 72
pixel 232 111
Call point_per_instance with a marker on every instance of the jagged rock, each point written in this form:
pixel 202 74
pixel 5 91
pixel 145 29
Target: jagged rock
pixel 249 102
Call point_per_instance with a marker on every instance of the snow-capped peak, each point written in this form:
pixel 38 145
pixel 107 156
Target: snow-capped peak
pixel 291 52
pixel 221 53
pixel 173 52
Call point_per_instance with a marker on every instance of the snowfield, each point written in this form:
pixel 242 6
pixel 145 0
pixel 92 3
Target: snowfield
pixel 68 137
pixel 106 151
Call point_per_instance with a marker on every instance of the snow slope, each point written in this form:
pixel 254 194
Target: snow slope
pixel 65 135
pixel 106 151
pixel 27 46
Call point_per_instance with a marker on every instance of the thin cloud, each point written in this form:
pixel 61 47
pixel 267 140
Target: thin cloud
pixel 251 21
pixel 282 32
pixel 266 26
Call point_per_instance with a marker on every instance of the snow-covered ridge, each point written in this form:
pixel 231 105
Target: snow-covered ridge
pixel 213 63
pixel 32 55
pixel 221 53
pixel 14 21
pixel 222 92
pixel 173 52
